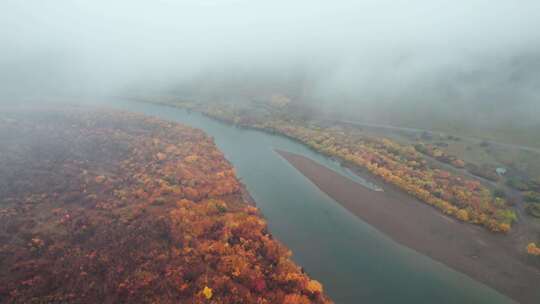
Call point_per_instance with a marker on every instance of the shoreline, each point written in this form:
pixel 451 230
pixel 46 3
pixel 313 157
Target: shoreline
pixel 491 223
pixel 493 259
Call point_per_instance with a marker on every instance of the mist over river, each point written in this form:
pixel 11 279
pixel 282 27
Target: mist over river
pixel 355 262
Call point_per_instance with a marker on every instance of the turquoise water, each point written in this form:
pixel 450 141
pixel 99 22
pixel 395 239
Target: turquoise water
pixel 355 262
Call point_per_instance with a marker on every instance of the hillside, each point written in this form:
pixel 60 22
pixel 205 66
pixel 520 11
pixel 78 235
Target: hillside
pixel 109 207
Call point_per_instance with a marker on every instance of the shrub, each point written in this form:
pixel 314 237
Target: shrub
pixel 463 215
pixel 484 171
pixel 533 209
pixel 499 192
pixel 532 197
pixel 506 216
pixel 532 249
pixel 517 183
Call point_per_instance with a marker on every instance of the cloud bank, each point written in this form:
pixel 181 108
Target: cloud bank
pixel 334 54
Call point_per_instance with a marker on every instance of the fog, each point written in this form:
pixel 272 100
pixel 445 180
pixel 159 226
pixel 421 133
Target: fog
pixel 475 58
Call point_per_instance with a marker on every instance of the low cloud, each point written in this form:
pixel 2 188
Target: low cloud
pixel 336 55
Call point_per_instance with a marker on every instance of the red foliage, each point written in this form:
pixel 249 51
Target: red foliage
pixel 137 210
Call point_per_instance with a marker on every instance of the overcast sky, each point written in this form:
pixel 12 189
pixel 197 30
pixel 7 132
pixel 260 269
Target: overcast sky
pixel 353 51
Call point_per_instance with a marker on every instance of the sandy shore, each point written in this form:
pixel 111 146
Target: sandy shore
pixel 498 261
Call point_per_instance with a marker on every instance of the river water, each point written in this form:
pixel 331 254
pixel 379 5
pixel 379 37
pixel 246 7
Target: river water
pixel 355 262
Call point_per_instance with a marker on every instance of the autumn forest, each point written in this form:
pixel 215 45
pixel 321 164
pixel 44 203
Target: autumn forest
pixel 109 207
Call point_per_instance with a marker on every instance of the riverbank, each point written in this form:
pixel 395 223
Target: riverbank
pixel 493 259
pixel 397 164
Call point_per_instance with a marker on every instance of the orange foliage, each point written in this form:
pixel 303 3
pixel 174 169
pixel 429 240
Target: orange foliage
pixel 314 287
pixel 401 165
pixel 532 249
pixel 296 299
pixel 463 215
pixel 157 229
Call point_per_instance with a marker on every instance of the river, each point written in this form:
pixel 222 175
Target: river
pixel 355 262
